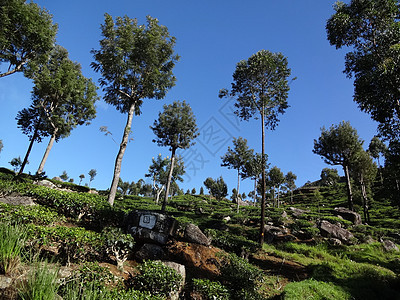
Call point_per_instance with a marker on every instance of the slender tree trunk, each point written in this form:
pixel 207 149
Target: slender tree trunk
pixel 365 201
pixel 47 152
pixel 262 179
pixel 118 160
pixel 348 185
pixel 158 193
pixel 380 170
pixel 291 196
pixel 171 169
pixel 34 137
pixel 12 71
pixel 237 194
pixel 255 191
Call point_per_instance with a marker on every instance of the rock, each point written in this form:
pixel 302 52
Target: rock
pixel 5 282
pixel 335 242
pixel 94 192
pixel 284 215
pixel 150 251
pixel 18 200
pixel 151 226
pixel 333 231
pixel 180 269
pixel 349 215
pixel 57 178
pixel 226 219
pixel 388 245
pixel 205 260
pixel 297 212
pixel 45 183
pixel 277 234
pixel 193 234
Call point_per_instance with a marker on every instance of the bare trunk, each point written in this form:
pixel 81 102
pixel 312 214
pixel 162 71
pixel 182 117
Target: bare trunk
pixel 365 201
pixel 255 191
pixel 291 196
pixel 16 69
pixel 29 149
pixel 263 180
pixel 380 171
pixel 118 160
pixel 47 152
pixel 158 193
pixel 348 185
pixel 237 194
pixel 171 169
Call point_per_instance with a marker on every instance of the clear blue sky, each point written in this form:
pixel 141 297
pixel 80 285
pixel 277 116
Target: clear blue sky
pixel 212 36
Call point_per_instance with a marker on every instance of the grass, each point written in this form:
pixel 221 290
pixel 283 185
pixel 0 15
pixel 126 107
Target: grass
pixel 311 289
pixel 12 242
pixel 41 283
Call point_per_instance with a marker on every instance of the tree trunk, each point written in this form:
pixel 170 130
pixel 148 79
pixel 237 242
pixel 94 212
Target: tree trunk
pixel 47 152
pixel 16 69
pixel 262 179
pixel 365 201
pixel 291 196
pixel 118 160
pixel 255 191
pixel 158 193
pixel 237 194
pixel 35 134
pixel 380 170
pixel 348 185
pixel 171 169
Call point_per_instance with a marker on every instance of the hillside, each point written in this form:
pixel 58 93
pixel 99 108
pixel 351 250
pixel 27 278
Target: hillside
pixel 64 240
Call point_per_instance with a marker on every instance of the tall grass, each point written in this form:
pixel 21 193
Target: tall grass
pixel 12 241
pixel 41 283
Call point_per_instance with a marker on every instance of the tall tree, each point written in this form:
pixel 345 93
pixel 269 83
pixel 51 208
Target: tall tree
pixel 260 86
pixel 135 62
pixel 337 146
pixel 236 158
pixel 371 29
pixel 64 176
pixel 290 181
pixel 158 172
pixel 175 128
pixel 92 174
pixel 33 124
pixel 62 98
pixel 217 188
pixel 392 171
pixel 377 148
pixel 275 181
pixel 27 34
pixel 81 177
pixel 364 172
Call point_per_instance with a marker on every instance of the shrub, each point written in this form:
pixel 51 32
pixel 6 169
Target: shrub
pixel 156 278
pixel 118 244
pixel 210 290
pixel 242 278
pixel 41 283
pixel 230 242
pixel 12 242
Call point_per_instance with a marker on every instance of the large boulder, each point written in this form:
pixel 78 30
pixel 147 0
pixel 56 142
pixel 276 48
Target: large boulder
pixel 205 260
pixel 193 234
pixel 150 251
pixel 181 270
pixel 333 231
pixel 45 183
pixel 151 226
pixel 277 234
pixel 389 246
pixel 18 200
pixel 297 212
pixel 348 215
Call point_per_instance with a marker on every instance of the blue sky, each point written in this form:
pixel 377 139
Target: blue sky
pixel 212 36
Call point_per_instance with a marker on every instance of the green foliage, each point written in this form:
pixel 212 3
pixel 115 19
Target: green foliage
pixel 217 188
pixel 37 214
pixel 210 290
pixel 118 244
pixel 75 244
pixel 231 242
pixel 315 290
pixel 241 277
pixel 12 242
pixel 16 162
pixel 27 34
pixel 41 283
pixel 156 278
pixel 370 29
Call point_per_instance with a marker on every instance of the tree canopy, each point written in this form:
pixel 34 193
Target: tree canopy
pixel 371 29
pixel 27 34
pixel 338 146
pixel 135 62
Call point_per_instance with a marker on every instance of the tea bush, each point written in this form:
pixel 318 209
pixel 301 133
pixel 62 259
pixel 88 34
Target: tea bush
pixel 156 278
pixel 210 290
pixel 230 242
